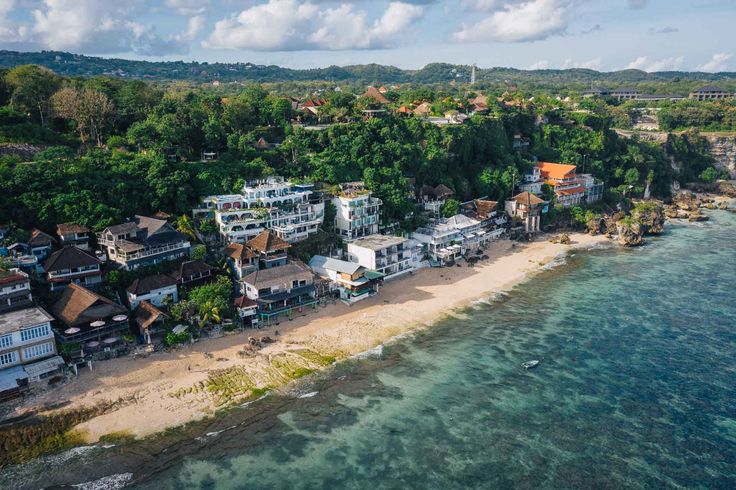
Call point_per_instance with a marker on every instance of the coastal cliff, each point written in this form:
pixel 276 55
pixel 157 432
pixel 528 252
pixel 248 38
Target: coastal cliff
pixel 723 150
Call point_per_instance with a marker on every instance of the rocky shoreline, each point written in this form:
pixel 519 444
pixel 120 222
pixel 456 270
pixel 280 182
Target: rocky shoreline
pixel 647 217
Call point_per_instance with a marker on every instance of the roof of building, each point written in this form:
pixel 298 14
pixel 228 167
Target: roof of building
pixel 39 238
pixel 191 268
pixel 238 251
pixel 12 276
pixel 482 207
pixel 145 285
pixel 378 242
pixel 68 258
pixel 267 241
pixel 146 315
pixel 79 305
pixel 279 276
pixel 461 221
pixel 527 198
pixel 555 171
pixel 154 231
pixel 66 228
pixel 327 263
pixel 625 90
pixel 373 93
pixel 244 302
pixel 708 88
pixel 161 215
pixel 569 192
pixel 28 317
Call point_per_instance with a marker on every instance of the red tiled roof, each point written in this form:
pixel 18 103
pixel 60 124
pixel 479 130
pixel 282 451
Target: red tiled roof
pixel 527 198
pixel 570 192
pixel 267 241
pixel 556 171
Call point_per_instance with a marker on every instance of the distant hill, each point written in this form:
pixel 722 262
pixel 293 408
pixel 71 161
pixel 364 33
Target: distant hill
pixel 73 65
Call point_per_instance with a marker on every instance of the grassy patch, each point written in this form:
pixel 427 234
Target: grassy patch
pixel 315 357
pixel 118 437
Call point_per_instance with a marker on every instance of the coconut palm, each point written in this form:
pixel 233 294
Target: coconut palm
pixel 208 313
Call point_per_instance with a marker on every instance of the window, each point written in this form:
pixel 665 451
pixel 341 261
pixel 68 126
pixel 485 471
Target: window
pixel 8 358
pixel 38 350
pixel 34 333
pixel 6 341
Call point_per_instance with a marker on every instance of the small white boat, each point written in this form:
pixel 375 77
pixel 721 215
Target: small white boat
pixel 530 364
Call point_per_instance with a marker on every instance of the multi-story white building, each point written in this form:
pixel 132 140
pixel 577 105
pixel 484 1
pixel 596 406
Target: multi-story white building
pixel 26 338
pixel 532 182
pixel 273 203
pixel 389 255
pixel 447 240
pixel 358 212
pixel 15 290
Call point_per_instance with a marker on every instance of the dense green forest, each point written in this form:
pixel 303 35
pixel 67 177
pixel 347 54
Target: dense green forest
pixel 109 145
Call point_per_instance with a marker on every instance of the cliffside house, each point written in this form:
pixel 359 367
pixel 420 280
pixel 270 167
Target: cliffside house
pixel 72 265
pixel 143 241
pixel 569 187
pixel 710 92
pixel 528 208
pixel 358 212
pixel 15 290
pixel 40 243
pixel 192 273
pixel 247 310
pixel 85 316
pixel 27 349
pixel 386 254
pixel 286 208
pixel 520 142
pixel 434 198
pixel 532 182
pixel 241 260
pixel 149 320
pixel 158 289
pixel 351 280
pixel 281 290
pixel 446 240
pixel 73 234
pixel 487 213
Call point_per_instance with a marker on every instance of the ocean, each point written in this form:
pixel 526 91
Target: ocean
pixel 636 388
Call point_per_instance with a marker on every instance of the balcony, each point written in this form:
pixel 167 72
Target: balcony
pixel 151 252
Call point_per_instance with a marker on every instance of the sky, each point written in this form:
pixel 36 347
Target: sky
pixel 605 35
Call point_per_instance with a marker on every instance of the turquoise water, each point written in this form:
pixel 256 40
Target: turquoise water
pixel 636 389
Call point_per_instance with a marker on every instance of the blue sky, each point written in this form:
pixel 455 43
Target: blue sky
pixel 651 35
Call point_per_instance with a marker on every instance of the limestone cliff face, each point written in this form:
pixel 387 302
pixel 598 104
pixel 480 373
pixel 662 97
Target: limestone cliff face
pixel 650 216
pixel 723 149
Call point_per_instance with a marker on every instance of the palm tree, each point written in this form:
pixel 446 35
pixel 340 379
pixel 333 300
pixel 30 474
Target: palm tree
pixel 208 313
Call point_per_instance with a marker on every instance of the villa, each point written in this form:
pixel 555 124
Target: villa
pixel 40 243
pixel 358 212
pixel 351 280
pixel 281 290
pixel 570 188
pixel 143 241
pixel 158 290
pixel 15 290
pixel 72 265
pixel 389 255
pixel 528 208
pixel 73 234
pixel 274 203
pixel 434 198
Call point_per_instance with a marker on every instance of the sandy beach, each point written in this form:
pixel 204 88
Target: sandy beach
pixel 157 392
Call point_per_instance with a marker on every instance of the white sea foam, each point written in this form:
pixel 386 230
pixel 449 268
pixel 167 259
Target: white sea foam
pixel 309 395
pixel 111 482
pixel 556 262
pixel 377 351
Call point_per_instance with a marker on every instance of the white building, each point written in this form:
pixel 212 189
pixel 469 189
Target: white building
pixel 273 203
pixel 389 255
pixel 158 290
pixel 353 281
pixel 25 339
pixel 358 212
pixel 447 240
pixel 532 182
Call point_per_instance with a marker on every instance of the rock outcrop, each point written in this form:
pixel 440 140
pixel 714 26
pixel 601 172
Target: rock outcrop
pixel 723 150
pixel 650 215
pixel 629 233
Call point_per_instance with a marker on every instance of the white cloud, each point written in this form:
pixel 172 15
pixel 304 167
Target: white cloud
pixel 188 7
pixel 664 64
pixel 592 64
pixel 530 20
pixel 9 30
pixel 717 62
pixel 95 27
pixel 297 25
pixel 539 65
